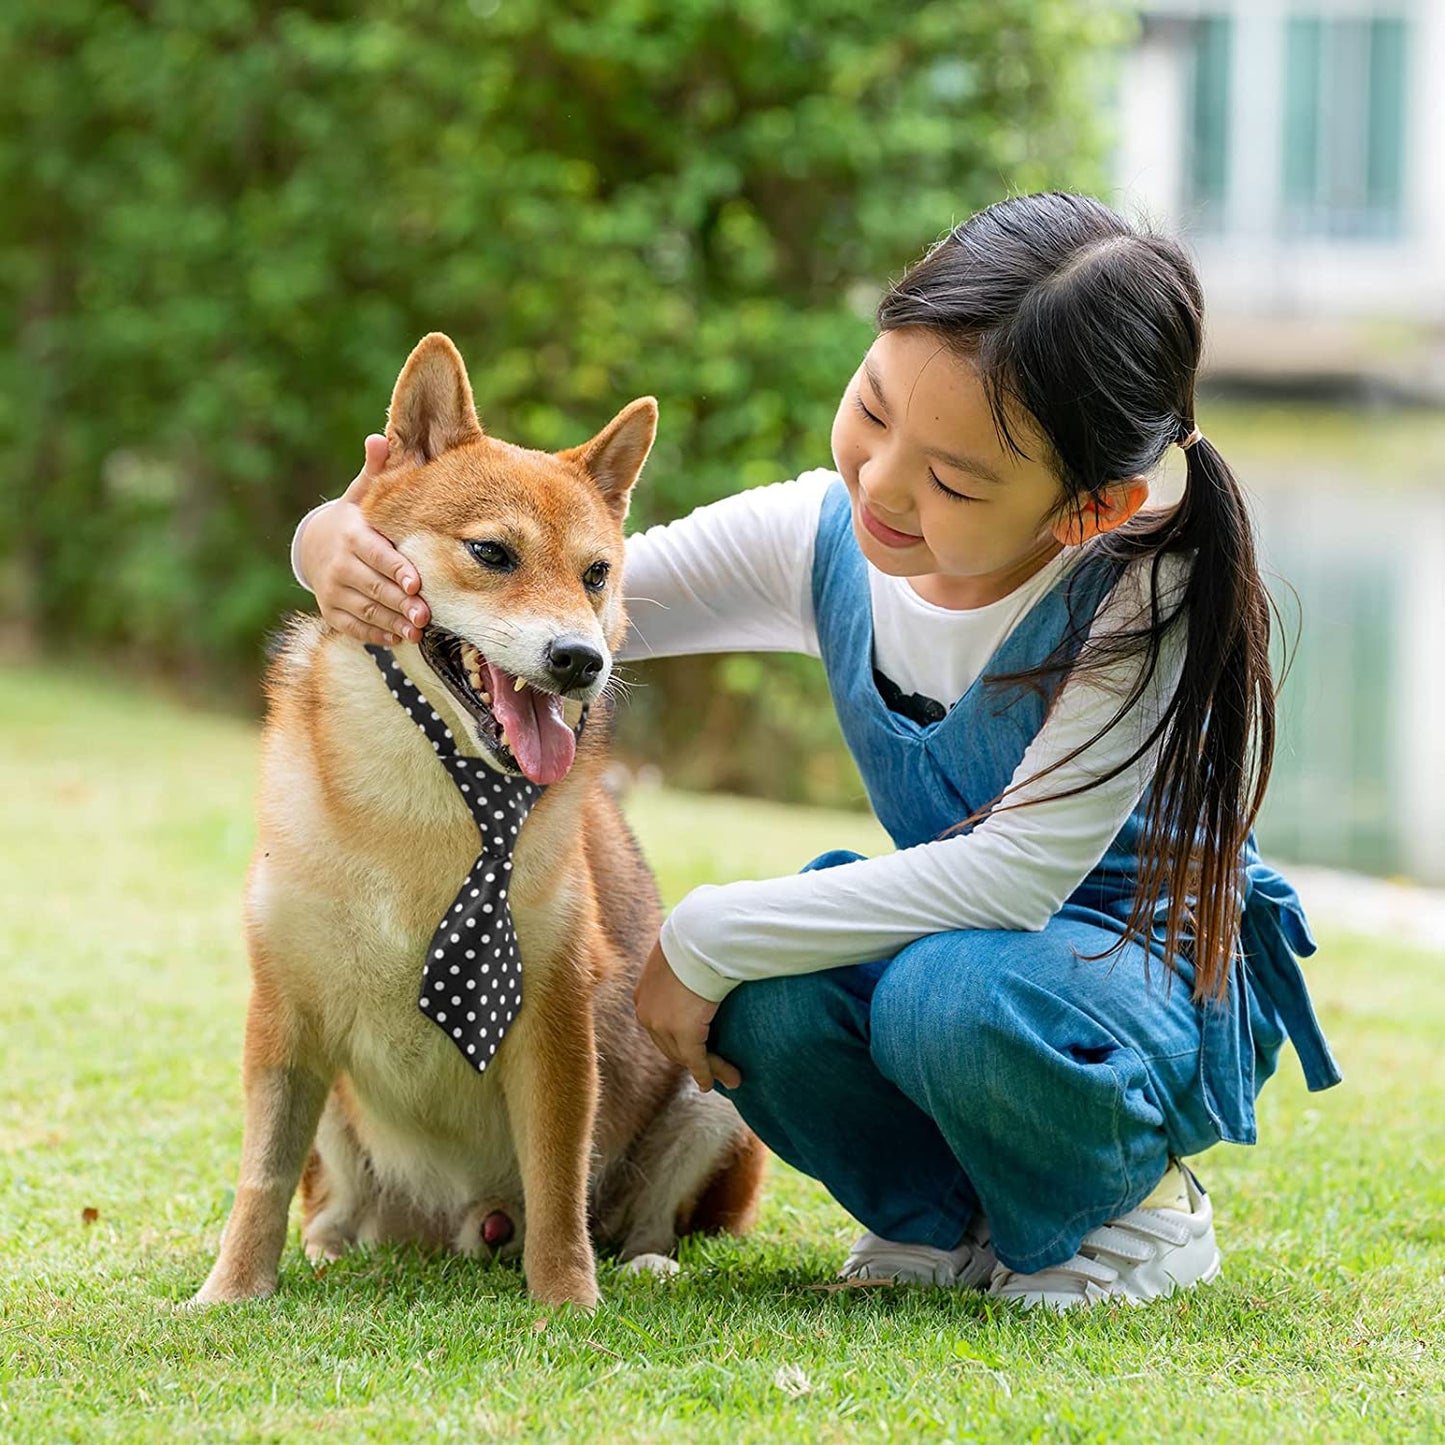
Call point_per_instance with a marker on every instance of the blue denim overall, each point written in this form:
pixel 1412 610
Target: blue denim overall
pixel 993 1068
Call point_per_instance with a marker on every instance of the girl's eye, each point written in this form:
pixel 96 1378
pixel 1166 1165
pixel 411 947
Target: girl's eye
pixel 948 491
pixel 932 475
pixel 595 577
pixel 858 402
pixel 493 555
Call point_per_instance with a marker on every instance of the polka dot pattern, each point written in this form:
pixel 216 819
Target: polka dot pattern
pixel 472 980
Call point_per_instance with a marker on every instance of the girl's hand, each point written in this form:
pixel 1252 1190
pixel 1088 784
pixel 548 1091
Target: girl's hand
pixel 363 585
pixel 678 1020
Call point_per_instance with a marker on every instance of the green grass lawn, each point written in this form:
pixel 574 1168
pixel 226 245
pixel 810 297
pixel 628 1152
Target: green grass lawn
pixel 127 829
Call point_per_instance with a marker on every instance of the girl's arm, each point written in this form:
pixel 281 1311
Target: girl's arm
pixel 1013 871
pixel 732 576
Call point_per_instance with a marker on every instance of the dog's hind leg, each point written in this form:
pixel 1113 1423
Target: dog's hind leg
pixel 729 1202
pixel 676 1161
pixel 283 1103
pixel 337 1191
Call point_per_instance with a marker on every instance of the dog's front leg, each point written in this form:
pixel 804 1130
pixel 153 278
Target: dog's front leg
pixel 284 1099
pixel 551 1091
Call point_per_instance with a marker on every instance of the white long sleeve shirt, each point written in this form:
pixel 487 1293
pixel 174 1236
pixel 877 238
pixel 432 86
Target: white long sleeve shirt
pixel 736 575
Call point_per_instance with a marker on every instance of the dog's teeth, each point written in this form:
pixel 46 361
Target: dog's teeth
pixel 486 696
pixel 520 683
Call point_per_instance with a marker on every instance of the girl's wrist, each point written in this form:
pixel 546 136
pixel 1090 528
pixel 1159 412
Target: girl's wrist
pixel 296 544
pixel 687 963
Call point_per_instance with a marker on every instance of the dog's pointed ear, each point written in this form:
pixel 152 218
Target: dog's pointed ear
pixel 614 457
pixel 431 408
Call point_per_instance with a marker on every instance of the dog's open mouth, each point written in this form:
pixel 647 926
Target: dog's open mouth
pixel 523 725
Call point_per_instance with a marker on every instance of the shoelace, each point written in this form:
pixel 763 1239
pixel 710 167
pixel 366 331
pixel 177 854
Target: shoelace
pixel 1120 1238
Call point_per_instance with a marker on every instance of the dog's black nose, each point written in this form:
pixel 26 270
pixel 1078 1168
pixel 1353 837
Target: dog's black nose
pixel 573 663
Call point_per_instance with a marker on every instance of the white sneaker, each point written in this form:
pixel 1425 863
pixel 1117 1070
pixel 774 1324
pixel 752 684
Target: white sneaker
pixel 969 1266
pixel 1164 1245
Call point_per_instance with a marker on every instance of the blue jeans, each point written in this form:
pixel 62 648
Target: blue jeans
pixel 983 1069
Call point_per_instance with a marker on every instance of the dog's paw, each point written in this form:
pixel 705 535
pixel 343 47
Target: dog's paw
pixel 229 1291
pixel 560 1285
pixel 582 1293
pixel 325 1248
pixel 659 1266
pixel 328 1236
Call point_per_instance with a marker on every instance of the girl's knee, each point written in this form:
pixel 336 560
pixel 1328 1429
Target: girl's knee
pixel 934 994
pixel 768 1020
pixel 969 1005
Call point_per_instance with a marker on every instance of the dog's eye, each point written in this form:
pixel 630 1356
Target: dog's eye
pixel 595 576
pixel 492 554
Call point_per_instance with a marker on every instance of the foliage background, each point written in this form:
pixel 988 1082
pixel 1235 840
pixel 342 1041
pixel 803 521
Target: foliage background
pixel 225 224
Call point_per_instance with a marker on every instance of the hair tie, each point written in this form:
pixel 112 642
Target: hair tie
pixel 1193 439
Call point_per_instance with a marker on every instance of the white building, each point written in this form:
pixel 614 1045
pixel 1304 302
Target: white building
pixel 1300 145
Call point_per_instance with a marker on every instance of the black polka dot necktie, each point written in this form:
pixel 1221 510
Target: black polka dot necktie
pixel 472 982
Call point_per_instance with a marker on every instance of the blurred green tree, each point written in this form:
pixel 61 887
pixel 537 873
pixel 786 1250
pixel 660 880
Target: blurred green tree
pixel 225 224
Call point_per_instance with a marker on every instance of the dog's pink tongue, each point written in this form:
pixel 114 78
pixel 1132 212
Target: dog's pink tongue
pixel 537 733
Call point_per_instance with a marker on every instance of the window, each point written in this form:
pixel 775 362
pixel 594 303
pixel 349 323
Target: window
pixel 1344 124
pixel 1206 167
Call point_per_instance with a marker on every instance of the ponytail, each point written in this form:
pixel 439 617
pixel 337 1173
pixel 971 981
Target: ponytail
pixel 1221 715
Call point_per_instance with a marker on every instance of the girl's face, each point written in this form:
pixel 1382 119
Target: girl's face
pixel 936 493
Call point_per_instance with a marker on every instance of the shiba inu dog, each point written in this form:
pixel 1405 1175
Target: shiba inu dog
pixel 578 1131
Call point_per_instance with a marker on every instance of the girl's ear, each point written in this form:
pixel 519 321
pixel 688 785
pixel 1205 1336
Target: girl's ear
pixel 431 408
pixel 1118 503
pixel 614 457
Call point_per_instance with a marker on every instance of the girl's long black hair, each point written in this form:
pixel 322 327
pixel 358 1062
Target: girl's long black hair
pixel 1092 330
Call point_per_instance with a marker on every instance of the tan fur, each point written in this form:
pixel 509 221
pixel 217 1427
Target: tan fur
pixel 579 1129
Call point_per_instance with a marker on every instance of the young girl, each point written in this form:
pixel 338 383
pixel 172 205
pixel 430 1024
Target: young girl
pixel 978 1043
